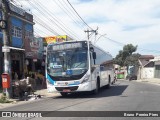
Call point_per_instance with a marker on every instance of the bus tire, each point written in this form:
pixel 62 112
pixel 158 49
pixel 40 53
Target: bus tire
pixel 64 94
pixel 95 91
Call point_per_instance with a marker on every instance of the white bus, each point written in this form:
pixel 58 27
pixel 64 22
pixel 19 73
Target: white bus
pixel 76 66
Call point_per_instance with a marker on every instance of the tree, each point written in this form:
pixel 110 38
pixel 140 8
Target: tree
pixel 132 60
pixel 125 56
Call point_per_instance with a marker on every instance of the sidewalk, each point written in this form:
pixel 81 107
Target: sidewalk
pixel 150 80
pixel 43 93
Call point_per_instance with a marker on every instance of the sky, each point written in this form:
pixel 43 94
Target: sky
pixel 119 22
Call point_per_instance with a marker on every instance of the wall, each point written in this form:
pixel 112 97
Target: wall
pixel 147 73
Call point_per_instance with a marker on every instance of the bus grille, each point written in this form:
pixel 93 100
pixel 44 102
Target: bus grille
pixel 70 88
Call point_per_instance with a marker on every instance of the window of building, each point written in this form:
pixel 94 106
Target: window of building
pixel 28 34
pixel 16 31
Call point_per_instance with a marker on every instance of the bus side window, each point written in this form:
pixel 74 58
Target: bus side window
pixel 101 68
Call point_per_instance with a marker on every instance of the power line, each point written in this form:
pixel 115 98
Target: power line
pixel 42 14
pixel 114 41
pixel 37 34
pixel 43 25
pixel 64 8
pixel 59 27
pixel 71 11
pixel 39 19
pixel 44 32
pixel 119 43
pixel 58 21
pixel 79 15
pixel 122 44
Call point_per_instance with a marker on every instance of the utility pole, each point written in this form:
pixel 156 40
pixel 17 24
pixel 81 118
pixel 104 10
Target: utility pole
pixel 89 32
pixel 6 49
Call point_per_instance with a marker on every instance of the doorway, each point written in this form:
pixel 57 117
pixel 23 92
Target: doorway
pixel 16 68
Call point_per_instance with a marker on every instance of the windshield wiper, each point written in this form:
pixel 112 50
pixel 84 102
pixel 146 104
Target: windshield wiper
pixel 78 65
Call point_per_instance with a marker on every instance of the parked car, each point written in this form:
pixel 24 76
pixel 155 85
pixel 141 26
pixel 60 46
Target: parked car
pixel 131 77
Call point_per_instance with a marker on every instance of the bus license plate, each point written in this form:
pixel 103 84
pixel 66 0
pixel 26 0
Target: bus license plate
pixel 66 90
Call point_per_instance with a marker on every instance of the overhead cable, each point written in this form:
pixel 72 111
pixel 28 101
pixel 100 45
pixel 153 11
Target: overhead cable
pixel 79 15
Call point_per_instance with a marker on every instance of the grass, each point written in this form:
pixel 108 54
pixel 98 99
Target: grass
pixel 1 90
pixel 3 99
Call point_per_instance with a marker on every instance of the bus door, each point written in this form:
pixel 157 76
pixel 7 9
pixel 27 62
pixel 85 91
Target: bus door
pixel 93 71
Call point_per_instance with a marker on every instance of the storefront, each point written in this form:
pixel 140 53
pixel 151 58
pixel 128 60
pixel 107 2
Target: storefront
pixel 17 62
pixel 33 54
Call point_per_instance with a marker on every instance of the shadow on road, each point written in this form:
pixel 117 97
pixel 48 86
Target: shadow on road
pixel 115 90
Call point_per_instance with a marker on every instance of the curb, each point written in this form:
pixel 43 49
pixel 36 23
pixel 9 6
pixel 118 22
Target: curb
pixel 43 93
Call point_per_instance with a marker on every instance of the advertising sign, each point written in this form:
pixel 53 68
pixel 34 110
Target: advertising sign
pixel 32 47
pixel 54 39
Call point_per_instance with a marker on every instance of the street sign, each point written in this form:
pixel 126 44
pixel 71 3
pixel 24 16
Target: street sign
pixel 5 49
pixel 3 24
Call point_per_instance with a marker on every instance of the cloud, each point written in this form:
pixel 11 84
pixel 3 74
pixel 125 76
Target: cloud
pixel 126 21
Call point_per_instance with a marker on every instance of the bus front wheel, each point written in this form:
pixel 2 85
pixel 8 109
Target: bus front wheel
pixel 97 87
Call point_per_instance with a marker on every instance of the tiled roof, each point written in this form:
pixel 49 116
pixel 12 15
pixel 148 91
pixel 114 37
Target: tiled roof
pixel 144 63
pixel 108 62
pixel 146 57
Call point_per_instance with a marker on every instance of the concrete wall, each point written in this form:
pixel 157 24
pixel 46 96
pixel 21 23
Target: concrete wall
pixel 147 73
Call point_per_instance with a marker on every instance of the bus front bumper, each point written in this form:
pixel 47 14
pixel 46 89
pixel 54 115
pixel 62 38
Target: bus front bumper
pixel 71 88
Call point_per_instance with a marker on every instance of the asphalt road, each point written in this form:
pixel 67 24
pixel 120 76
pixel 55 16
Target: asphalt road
pixel 122 96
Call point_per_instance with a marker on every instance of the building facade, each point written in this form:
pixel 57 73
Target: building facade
pixel 146 68
pixel 20 28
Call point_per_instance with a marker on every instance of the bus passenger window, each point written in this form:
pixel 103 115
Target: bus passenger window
pixel 101 68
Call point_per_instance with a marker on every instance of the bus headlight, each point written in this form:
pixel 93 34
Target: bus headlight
pixel 49 82
pixel 86 78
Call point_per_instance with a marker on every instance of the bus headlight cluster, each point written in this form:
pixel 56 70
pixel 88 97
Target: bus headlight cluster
pixel 49 83
pixel 86 78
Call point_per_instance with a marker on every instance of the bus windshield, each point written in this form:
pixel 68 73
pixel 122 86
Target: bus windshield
pixel 67 63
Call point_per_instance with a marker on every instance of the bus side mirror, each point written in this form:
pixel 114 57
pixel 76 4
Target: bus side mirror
pixel 94 55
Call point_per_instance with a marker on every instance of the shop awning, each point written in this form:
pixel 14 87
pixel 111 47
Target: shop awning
pixel 14 48
pixel 7 49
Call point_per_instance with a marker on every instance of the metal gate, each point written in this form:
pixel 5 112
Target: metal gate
pixel 157 71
